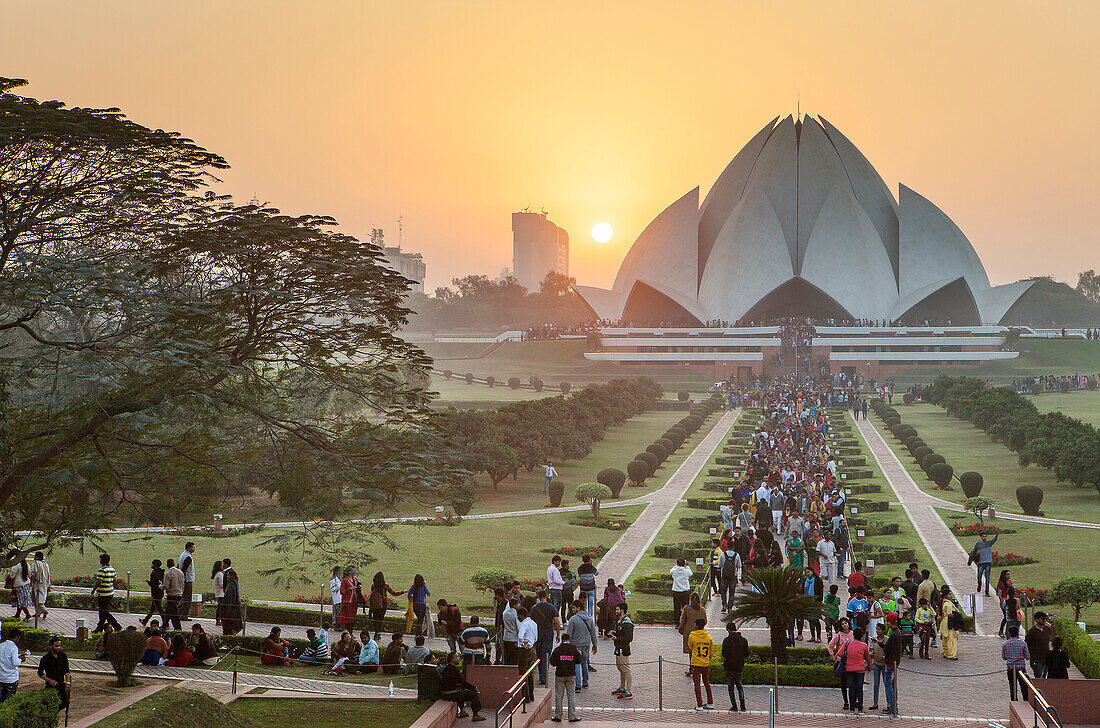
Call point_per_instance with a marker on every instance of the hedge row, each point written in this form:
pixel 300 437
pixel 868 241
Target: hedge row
pixel 1083 650
pixel 31 709
pixel 645 464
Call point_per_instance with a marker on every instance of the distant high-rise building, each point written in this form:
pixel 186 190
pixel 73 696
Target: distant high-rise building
pixel 538 247
pixel 410 265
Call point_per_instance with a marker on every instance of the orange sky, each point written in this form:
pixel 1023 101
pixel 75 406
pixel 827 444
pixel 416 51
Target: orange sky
pixel 454 114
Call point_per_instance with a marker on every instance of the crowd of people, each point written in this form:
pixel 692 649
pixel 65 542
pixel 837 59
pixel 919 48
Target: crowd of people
pixel 1054 383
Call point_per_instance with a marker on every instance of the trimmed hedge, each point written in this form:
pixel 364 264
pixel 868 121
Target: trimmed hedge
pixel 1083 650
pixel 971 483
pixel 868 506
pixel 1030 497
pixel 31 709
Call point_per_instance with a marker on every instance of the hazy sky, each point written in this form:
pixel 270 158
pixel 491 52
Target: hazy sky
pixel 455 114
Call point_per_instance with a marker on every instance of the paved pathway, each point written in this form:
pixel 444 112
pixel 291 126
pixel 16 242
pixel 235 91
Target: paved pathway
pixel 621 559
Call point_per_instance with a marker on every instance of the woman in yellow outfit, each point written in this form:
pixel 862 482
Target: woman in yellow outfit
pixel 949 637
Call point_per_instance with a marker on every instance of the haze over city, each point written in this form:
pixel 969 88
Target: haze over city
pixel 595 112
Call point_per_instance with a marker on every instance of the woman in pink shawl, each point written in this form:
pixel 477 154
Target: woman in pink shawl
pixel 349 598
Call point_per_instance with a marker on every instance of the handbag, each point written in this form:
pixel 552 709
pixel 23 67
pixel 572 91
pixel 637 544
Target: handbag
pixel 839 667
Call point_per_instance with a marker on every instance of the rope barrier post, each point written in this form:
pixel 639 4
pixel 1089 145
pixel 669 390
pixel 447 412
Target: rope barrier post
pixel 775 681
pixel 771 707
pixel 69 692
pixel 660 682
pixel 897 669
pixel 127 591
pixel 244 619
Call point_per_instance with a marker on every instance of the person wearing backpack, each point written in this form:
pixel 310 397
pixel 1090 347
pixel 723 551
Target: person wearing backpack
pixel 586 581
pixel 450 623
pixel 729 565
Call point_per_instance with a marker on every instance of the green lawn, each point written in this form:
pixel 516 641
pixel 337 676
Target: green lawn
pixel 1082 404
pixel 445 555
pixel 456 391
pixel 968 448
pixel 334 713
pixel 1037 357
pixel 1061 551
pixel 175 707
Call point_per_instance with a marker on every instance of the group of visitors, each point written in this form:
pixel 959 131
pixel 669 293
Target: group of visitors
pixel 29 583
pixel 53 667
pixel 171 588
pixel 1045 655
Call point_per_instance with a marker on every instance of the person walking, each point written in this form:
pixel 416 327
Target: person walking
pixel 837 650
pixel 951 623
pixel 812 586
pixel 857 662
pixel 826 557
pixel 586 582
pixel 22 598
pixel 692 612
pixel 418 595
pixel 349 598
pixel 565 660
pixel 173 584
pixel 681 589
pixel 1016 656
pixel 982 555
pixel 40 584
pixel 156 593
pixel 623 635
pixel 9 663
pixel 735 648
pixel 232 611
pixel 891 650
pixel 450 623
pixel 187 566
pixel 104 591
pixel 581 629
pixel 729 567
pixel 701 646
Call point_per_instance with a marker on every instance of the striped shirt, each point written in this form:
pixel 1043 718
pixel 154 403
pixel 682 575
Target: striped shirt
pixel 105 581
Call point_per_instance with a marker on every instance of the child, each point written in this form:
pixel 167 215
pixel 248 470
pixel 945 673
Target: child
pixel 831 610
pixel 905 626
pixel 925 618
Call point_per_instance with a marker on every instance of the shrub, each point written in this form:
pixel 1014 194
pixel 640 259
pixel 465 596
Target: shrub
pixel 489 579
pixel 682 396
pixel 491 381
pixel 904 431
pixel 555 493
pixel 649 459
pixel 907 398
pixel 892 420
pixel 1091 384
pixel 675 438
pixel 1030 497
pixel 592 493
pixel 678 430
pixel 669 445
pixel 941 473
pixel 1036 389
pixel 910 442
pixel 537 384
pixel 931 459
pixel 1083 650
pixel 1063 386
pixel 921 452
pixel 462 507
pixel 978 506
pixel 513 382
pixel 658 450
pixel 565 387
pixel 971 483
pixel 125 649
pixel 1079 592
pixel 447 374
pixel 638 470
pixel 31 709
pixel 613 479
pixel 469 378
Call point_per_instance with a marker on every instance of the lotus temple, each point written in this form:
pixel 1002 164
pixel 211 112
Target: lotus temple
pixel 801 225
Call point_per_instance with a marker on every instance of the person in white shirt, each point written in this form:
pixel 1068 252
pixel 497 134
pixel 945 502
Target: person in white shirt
pixel 550 475
pixel 40 584
pixel 334 587
pixel 762 495
pixel 186 564
pixel 9 663
pixel 217 575
pixel 681 588
pixel 528 636
pixel 554 581
pixel 826 550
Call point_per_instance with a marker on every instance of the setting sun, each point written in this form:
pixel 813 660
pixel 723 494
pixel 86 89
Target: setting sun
pixel 602 232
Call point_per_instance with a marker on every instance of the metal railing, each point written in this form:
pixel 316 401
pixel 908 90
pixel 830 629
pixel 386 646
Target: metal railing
pixel 1042 709
pixel 514 699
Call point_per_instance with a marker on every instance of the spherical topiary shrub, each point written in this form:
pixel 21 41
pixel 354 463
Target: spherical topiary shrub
pixel 513 382
pixel 678 430
pixel 903 431
pixel 941 473
pixel 1091 384
pixel 669 445
pixel 649 459
pixel 1063 386
pixel 565 387
pixel 1036 388
pixel 682 396
pixel 891 421
pixel 917 444
pixel 675 438
pixel 125 650
pixel 537 384
pixel 613 478
pixel 931 459
pixel 462 507
pixel 491 381
pixel 1030 497
pixel 447 374
pixel 907 398
pixel 469 378
pixel 658 450
pixel 908 442
pixel 556 492
pixel 638 471
pixel 921 452
pixel 971 483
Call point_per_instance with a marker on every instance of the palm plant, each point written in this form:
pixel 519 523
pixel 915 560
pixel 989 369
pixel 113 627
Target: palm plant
pixel 776 597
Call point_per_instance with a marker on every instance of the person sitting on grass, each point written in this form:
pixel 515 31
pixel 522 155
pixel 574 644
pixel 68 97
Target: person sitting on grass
pixel 394 657
pixel 316 651
pixel 100 649
pixel 276 650
pixel 201 646
pixel 368 654
pixel 179 655
pixel 155 646
pixel 417 654
pixel 345 647
pixel 457 689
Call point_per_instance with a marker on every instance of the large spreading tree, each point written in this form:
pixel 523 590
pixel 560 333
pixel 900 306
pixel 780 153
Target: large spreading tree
pixel 162 349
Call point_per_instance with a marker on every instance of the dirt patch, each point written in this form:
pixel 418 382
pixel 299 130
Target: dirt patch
pixel 90 692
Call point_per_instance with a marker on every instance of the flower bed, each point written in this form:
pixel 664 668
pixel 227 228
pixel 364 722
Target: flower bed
pixel 886 554
pixel 1010 559
pixel 579 551
pixel 86 581
pixel 1038 597
pixel 689 550
pixel 977 529
pixel 613 524
pixel 212 532
pixel 868 506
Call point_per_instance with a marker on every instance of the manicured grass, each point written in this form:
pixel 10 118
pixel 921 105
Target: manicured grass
pixel 1061 551
pixel 251 664
pixel 445 555
pixel 968 448
pixel 1037 357
pixel 334 713
pixel 179 708
pixel 455 390
pixel 1082 404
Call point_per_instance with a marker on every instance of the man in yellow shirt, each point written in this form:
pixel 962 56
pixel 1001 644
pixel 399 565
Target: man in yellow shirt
pixel 700 645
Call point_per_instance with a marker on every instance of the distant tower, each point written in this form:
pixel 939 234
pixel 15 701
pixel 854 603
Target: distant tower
pixel 538 247
pixel 410 265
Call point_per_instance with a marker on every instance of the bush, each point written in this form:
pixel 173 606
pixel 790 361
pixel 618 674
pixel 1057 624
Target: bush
pixel 978 506
pixel 638 471
pixel 447 374
pixel 917 442
pixel 1079 592
pixel 941 473
pixel 613 479
pixel 910 442
pixel 565 387
pixel 1063 386
pixel 462 507
pixel 669 445
pixel 682 396
pixel 125 650
pixel 1030 497
pixel 469 378
pixel 921 452
pixel 931 459
pixel 971 483
pixel 678 430
pixel 675 438
pixel 491 381
pixel 537 384
pixel 513 382
pixel 1083 650
pixel 1091 384
pixel 904 431
pixel 1036 389
pixel 556 492
pixel 907 398
pixel 489 579
pixel 650 459
pixel 31 709
pixel 891 421
pixel 659 451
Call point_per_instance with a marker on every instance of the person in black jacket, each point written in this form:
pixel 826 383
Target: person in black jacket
pixel 156 603
pixel 623 635
pixel 565 659
pixel 734 650
pixel 457 689
pixel 1057 661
